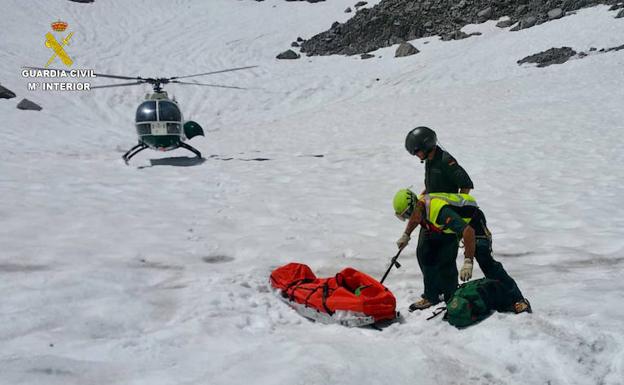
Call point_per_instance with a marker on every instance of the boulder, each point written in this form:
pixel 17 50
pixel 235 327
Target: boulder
pixel 6 93
pixel 360 4
pixel 289 55
pixel 549 57
pixel 406 49
pixel 527 22
pixel 484 15
pixel 505 23
pixel 556 13
pixel 365 56
pixel 620 14
pixel 26 104
pixel 348 10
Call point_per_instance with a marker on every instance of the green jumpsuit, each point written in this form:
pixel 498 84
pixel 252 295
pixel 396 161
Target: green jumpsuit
pixel 451 217
pixel 437 252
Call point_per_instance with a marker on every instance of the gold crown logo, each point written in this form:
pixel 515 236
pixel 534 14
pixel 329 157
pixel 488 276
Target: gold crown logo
pixel 59 26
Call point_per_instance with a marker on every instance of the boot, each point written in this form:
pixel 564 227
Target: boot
pixel 522 306
pixel 422 304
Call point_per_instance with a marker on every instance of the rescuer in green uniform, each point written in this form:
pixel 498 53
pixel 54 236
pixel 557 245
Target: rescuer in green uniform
pixel 458 215
pixel 436 252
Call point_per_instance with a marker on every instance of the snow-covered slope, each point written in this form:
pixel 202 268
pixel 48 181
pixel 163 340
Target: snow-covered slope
pixel 159 275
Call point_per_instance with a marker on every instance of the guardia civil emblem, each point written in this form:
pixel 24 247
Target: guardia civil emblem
pixel 58 50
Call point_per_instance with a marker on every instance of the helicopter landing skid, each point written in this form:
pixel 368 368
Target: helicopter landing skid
pixel 133 151
pixel 191 149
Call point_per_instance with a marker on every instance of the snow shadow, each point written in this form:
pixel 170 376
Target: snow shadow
pixel 218 157
pixel 217 259
pixel 177 161
pixel 157 265
pixel 17 268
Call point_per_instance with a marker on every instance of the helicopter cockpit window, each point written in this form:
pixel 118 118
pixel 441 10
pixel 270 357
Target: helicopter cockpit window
pixel 146 112
pixel 168 111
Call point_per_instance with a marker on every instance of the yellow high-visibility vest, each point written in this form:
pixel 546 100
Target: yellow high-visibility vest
pixel 435 201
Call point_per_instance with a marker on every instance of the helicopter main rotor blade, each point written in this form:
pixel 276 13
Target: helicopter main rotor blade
pixel 118 76
pixel 119 85
pixel 96 74
pixel 206 85
pixel 212 72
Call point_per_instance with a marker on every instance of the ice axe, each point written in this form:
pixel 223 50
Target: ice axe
pixel 393 262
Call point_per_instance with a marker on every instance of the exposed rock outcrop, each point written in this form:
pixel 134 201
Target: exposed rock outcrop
pixel 394 21
pixel 406 49
pixel 28 105
pixel 290 54
pixel 5 93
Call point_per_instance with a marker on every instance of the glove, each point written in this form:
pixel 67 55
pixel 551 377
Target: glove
pixel 403 241
pixel 466 271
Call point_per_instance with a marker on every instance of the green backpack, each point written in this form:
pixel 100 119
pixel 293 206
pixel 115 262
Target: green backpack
pixel 474 301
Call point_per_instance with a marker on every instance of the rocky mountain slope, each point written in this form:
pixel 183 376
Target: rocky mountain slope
pixel 394 21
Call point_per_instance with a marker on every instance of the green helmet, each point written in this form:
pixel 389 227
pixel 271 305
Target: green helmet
pixel 404 203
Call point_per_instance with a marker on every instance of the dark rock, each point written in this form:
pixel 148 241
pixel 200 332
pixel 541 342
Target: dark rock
pixel 527 22
pixel 618 48
pixel 290 54
pixel 459 35
pixel 82 1
pixel 348 10
pixel 365 56
pixel 406 49
pixel 505 23
pixel 5 93
pixel 299 39
pixel 294 44
pixel 360 4
pixel 26 104
pixel 592 49
pixel 484 15
pixel 620 14
pixel 556 13
pixel 394 21
pixel 455 35
pixel 550 57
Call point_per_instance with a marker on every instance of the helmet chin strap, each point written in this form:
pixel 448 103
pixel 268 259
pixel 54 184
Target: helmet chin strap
pixel 426 155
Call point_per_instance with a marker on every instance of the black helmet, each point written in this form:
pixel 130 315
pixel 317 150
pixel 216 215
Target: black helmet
pixel 420 139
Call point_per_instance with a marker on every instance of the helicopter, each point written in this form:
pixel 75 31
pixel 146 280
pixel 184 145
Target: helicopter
pixel 158 120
